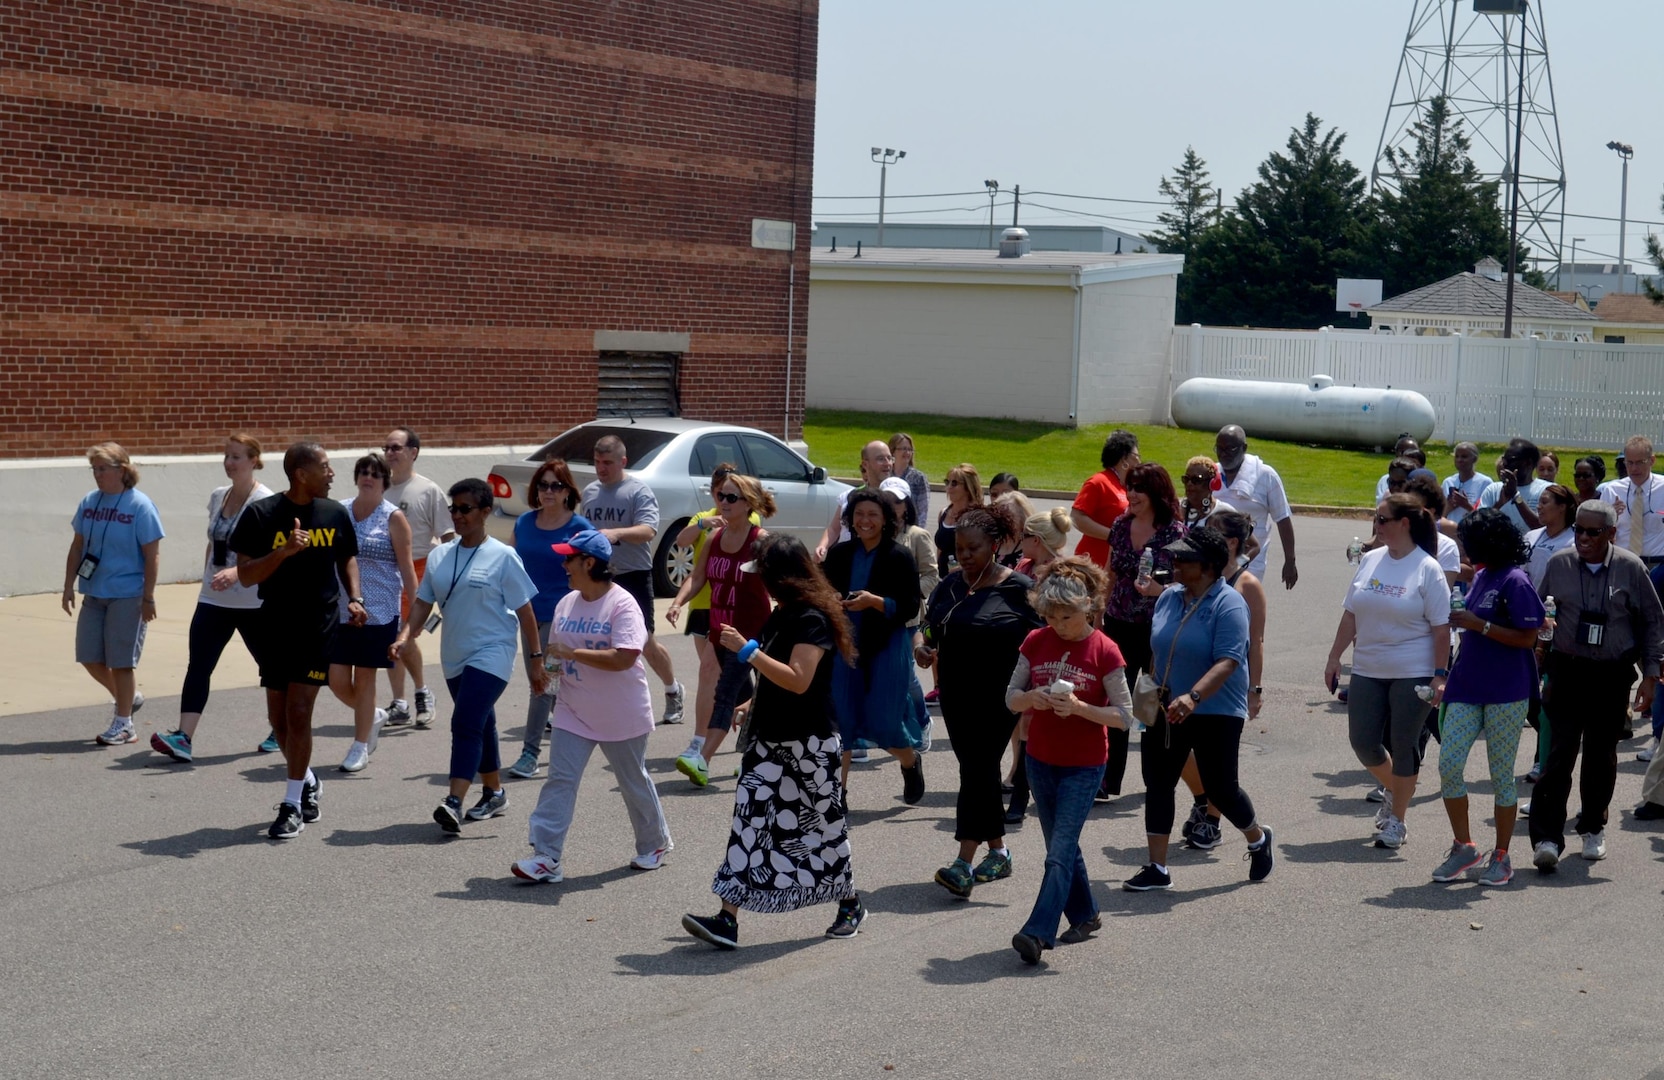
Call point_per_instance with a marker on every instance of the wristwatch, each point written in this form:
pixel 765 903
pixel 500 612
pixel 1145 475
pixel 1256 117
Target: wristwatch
pixel 1195 698
pixel 533 656
pixel 359 600
pixel 1257 690
pixel 1441 673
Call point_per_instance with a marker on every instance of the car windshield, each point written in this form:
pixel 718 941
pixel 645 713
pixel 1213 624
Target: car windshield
pixel 641 445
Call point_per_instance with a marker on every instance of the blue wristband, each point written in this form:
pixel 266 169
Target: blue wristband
pixel 747 650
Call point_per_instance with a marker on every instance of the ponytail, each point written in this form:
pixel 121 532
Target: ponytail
pixel 1424 530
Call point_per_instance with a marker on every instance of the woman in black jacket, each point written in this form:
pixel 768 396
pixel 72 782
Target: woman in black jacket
pixel 977 619
pixel 879 583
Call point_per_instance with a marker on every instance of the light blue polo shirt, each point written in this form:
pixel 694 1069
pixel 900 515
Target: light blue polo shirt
pixel 477 590
pixel 1217 630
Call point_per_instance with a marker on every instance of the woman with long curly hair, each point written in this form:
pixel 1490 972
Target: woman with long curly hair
pixel 789 845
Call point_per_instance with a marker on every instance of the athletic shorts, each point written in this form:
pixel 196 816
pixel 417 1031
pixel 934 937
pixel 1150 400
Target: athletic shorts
pixel 363 646
pixel 290 656
pixel 110 632
pixel 639 584
pixel 405 598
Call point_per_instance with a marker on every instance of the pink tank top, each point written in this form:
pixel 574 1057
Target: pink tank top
pixel 737 599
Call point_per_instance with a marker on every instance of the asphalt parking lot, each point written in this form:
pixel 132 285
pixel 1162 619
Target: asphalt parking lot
pixel 152 930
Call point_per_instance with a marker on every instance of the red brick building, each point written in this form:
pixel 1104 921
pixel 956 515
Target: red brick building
pixel 323 217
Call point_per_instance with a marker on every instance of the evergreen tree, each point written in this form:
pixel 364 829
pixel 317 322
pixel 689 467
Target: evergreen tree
pixel 1273 260
pixel 1194 211
pixel 1655 252
pixel 1444 217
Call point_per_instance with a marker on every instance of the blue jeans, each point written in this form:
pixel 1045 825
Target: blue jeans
pixel 1062 798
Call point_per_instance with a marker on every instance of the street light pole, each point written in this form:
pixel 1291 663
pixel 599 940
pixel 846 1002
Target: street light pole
pixel 1625 151
pixel 885 158
pixel 993 187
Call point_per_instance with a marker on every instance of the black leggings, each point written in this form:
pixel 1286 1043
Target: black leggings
pixel 211 629
pixel 1215 741
pixel 1133 639
pixel 980 734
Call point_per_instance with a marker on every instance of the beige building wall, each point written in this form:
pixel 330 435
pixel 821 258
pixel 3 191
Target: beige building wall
pixel 1126 334
pixel 955 349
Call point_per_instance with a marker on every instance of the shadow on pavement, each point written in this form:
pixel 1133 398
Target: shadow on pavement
pixel 57 746
pixel 1122 902
pixel 1364 810
pixel 981 968
pixel 405 832
pixel 925 897
pixel 688 956
pixel 191 844
pixel 511 889
pixel 1359 850
pixel 1434 896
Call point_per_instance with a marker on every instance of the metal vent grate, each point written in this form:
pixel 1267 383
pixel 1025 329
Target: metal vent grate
pixel 637 384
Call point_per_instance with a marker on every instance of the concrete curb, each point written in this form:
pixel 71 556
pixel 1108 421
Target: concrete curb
pixel 1356 513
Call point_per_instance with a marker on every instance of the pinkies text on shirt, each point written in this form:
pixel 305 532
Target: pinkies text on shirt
pixel 567 624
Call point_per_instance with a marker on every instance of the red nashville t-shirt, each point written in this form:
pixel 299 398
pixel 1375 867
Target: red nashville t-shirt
pixel 1070 740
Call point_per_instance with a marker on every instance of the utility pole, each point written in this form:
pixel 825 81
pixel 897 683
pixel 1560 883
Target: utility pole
pixel 993 187
pixel 1016 203
pixel 885 158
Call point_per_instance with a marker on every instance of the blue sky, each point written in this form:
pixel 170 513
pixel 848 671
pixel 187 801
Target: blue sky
pixel 1101 98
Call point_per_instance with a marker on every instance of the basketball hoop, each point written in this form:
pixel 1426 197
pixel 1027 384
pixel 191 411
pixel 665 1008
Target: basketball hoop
pixel 1356 306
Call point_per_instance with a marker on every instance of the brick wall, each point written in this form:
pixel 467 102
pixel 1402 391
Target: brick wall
pixel 324 217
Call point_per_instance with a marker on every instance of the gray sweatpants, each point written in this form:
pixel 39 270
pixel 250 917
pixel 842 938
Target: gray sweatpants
pixel 1652 784
pixel 568 756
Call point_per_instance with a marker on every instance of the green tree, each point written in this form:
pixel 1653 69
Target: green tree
pixel 1274 258
pixel 1655 252
pixel 1444 217
pixel 1194 210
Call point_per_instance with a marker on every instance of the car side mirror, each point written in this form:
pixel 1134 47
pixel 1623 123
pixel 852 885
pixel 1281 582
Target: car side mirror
pixel 817 475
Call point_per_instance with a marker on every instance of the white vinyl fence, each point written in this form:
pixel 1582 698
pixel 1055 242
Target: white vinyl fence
pixel 1555 393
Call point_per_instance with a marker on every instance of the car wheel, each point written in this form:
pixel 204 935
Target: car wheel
pixel 672 563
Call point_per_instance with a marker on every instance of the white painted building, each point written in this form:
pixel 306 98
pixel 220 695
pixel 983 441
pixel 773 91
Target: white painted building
pixel 1062 337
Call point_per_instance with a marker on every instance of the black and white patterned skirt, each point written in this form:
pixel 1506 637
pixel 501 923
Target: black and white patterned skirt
pixel 789 847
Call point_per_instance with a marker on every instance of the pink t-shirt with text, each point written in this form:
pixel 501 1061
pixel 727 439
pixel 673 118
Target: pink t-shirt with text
pixel 604 706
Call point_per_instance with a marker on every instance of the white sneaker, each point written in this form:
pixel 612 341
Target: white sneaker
pixel 650 861
pixel 1594 846
pixel 1378 793
pixel 424 708
pixel 375 729
pixel 118 733
pixel 1382 816
pixel 138 701
pixel 1392 834
pixel 357 757
pixel 539 868
pixel 1547 855
pixel 1649 752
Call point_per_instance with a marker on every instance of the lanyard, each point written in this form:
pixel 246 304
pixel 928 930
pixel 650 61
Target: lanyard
pixel 105 531
pixel 456 574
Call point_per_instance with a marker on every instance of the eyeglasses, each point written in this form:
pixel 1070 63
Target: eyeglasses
pixel 458 509
pixel 105 468
pixel 1591 533
pixel 727 497
pixel 550 485
pixel 392 448
pixel 1198 479
pixel 371 472
pixel 1381 519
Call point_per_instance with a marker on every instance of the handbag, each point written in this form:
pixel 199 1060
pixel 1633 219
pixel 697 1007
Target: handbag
pixel 1149 697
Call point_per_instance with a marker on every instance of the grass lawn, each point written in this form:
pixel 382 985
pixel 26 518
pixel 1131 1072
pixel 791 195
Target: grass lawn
pixel 1044 456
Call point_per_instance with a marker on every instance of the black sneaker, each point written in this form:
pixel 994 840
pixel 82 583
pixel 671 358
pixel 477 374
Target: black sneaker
pixel 1148 879
pixel 288 824
pixel 449 814
pixel 851 914
pixel 490 805
pixel 1104 796
pixel 1029 948
pixel 1262 858
pixel 398 714
pixel 720 929
pixel 309 809
pixel 1205 834
pixel 912 781
pixel 1082 931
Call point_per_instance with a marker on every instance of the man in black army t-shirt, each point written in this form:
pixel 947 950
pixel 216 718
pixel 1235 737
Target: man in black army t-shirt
pixel 298 547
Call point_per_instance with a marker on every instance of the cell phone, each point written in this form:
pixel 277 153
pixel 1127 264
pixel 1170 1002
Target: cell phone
pixel 1334 683
pixel 222 552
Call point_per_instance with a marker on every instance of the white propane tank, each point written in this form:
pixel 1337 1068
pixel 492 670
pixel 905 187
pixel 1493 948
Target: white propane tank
pixel 1318 411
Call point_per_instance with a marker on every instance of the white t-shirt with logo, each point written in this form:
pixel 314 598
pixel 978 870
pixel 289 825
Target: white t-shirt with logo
pixel 603 706
pixel 1397 603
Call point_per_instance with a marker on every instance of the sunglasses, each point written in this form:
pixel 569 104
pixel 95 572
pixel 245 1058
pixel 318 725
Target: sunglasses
pixel 1198 479
pixel 550 485
pixel 392 448
pixel 1591 533
pixel 458 509
pixel 371 472
pixel 1382 519
pixel 730 499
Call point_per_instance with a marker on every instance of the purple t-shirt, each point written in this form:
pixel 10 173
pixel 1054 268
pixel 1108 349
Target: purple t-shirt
pixel 1488 672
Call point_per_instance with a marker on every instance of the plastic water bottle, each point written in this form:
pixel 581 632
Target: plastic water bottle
pixel 1550 610
pixel 1355 551
pixel 1146 566
pixel 1425 693
pixel 551 664
pixel 1458 597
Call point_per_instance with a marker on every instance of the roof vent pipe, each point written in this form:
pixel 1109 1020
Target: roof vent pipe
pixel 1013 243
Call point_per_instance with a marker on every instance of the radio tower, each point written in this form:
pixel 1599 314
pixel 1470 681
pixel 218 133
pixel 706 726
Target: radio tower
pixel 1473 61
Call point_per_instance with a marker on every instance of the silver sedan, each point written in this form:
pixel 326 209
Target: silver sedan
pixel 675 458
